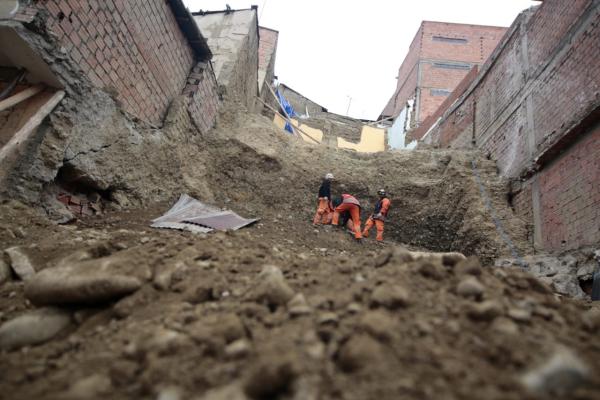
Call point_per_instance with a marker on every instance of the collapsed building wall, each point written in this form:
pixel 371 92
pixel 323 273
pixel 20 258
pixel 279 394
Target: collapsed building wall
pixel 233 38
pixel 124 124
pixel 534 109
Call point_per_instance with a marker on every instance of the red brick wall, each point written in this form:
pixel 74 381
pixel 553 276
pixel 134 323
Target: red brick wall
pixel 202 90
pixel 267 51
pixel 530 99
pixel 134 48
pixel 266 48
pixel 462 121
pixel 481 41
pixel 426 50
pixel 570 196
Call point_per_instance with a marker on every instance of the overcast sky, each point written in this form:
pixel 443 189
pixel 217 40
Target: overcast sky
pixel 334 50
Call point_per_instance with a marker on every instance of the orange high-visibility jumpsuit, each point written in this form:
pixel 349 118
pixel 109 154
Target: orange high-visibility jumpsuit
pixel 378 218
pixel 350 204
pixel 324 212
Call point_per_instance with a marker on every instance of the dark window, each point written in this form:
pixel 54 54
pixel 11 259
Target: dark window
pixel 465 67
pixel 449 40
pixel 439 92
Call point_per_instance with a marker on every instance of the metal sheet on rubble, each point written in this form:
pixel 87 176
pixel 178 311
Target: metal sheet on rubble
pixel 186 207
pixel 192 215
pixel 222 221
pixel 182 226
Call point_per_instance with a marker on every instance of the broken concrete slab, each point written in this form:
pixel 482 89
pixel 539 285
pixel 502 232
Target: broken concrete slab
pixel 33 328
pixel 20 263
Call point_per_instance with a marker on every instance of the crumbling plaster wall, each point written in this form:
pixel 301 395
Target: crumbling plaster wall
pixel 93 134
pixel 233 40
pixel 534 110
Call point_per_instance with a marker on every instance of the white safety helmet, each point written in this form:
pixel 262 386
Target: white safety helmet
pixel 329 176
pixel 381 192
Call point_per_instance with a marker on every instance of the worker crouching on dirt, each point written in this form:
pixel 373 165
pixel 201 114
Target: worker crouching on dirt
pixel 348 203
pixel 324 208
pixel 378 217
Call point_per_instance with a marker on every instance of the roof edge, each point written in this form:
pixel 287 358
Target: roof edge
pixel 190 30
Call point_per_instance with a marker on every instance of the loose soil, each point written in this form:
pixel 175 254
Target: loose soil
pixel 376 324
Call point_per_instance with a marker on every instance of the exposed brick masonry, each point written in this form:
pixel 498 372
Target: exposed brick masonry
pixel 440 57
pixel 526 107
pixel 132 48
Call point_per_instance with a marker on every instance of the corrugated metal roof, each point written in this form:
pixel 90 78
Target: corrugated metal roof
pixel 192 215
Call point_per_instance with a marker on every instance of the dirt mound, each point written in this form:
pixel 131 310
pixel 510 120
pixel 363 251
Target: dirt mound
pixel 436 201
pixel 284 310
pixel 281 312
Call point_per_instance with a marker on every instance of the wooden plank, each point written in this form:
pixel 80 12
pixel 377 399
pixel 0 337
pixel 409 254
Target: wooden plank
pixel 21 136
pixel 19 97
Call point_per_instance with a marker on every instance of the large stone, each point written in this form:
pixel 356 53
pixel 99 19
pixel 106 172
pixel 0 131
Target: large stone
pixel 558 375
pixel 390 296
pixel 20 263
pixel 33 328
pixel 359 352
pixel 78 284
pixel 470 287
pixel 485 311
pixel 90 387
pixel 271 288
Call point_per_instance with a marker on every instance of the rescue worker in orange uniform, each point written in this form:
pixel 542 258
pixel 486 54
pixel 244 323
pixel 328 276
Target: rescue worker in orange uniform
pixel 378 217
pixel 324 208
pixel 348 203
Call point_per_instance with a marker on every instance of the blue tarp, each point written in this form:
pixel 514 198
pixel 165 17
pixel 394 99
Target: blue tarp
pixel 288 109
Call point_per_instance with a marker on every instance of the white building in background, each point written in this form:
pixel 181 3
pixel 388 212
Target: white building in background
pixel 397 132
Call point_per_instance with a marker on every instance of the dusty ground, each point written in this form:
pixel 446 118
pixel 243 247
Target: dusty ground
pixel 211 317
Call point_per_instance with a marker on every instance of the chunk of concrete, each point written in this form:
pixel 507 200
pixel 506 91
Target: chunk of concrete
pixel 20 263
pixel 33 328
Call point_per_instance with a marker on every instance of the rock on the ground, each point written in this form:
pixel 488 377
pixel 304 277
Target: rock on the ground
pixel 485 311
pixel 568 284
pixel 558 375
pixel 238 348
pixel 271 287
pixel 298 306
pixel 33 328
pixel 5 271
pixel 229 392
pixel 169 393
pixel 20 263
pixel 359 352
pixel 72 285
pixel 505 326
pixel 271 379
pixel 390 296
pixel 450 257
pixel 470 287
pixel 519 314
pixel 379 324
pixel 90 387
